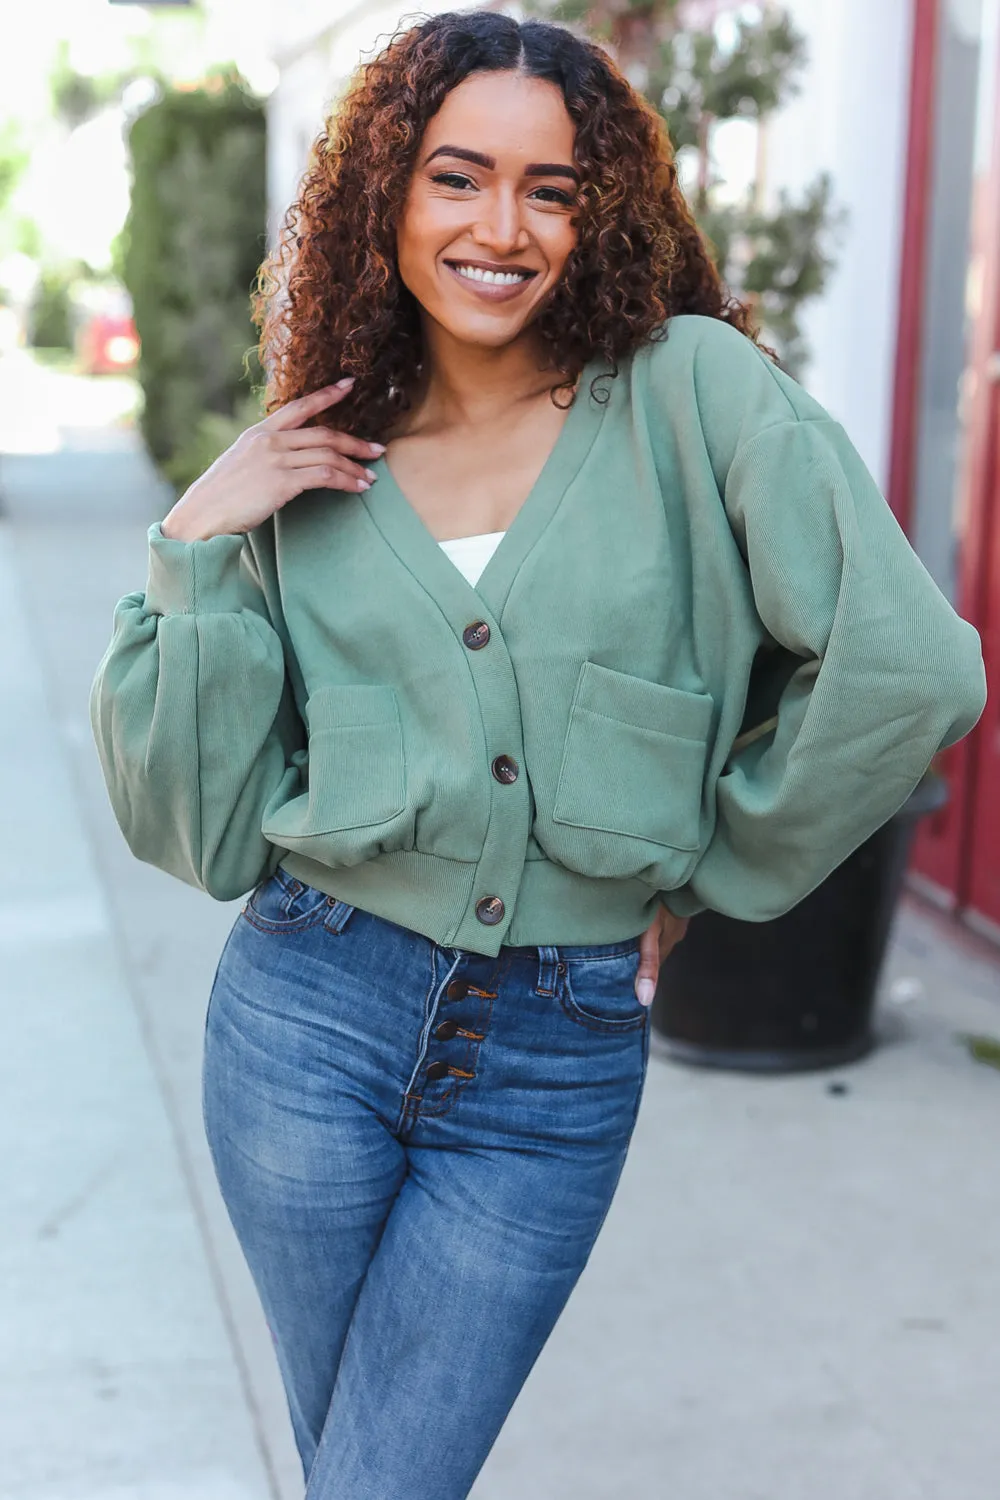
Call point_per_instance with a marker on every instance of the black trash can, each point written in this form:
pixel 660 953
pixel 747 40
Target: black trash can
pixel 797 992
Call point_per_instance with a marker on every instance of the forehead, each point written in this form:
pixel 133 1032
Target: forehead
pixel 505 115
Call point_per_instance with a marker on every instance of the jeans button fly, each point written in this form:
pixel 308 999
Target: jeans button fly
pixel 446 1030
pixel 437 1070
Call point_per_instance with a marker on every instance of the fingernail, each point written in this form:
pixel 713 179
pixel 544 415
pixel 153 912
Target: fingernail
pixel 377 447
pixel 363 484
pixel 343 384
pixel 371 475
pixel 645 989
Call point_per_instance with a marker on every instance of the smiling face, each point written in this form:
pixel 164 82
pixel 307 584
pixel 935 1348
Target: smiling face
pixel 486 228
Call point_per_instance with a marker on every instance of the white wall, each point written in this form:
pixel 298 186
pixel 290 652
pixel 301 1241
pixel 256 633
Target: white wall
pixel 851 120
pixel 295 114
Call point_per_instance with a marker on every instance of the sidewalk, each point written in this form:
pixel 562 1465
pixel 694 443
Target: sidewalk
pixel 117 1372
pixel 795 1295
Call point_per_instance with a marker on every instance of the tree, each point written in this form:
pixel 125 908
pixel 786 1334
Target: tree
pixel 696 77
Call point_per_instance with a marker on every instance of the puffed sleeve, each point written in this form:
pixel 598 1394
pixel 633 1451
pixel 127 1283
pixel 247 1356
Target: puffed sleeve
pixel 194 718
pixel 888 672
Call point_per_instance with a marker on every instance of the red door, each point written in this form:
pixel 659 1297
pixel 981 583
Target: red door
pixel 957 852
pixel 979 891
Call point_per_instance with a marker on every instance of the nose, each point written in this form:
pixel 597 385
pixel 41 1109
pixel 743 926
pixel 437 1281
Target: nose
pixel 499 227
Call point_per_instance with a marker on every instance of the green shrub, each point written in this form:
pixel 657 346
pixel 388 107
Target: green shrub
pixel 193 241
pixel 211 435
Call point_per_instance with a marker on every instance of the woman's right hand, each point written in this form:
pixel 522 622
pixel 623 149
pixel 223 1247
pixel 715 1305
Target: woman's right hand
pixel 267 466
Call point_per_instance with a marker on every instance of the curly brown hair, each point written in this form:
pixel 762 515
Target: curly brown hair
pixel 330 301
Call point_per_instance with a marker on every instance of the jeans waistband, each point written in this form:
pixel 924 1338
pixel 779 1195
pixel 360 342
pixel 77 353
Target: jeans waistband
pixel 553 961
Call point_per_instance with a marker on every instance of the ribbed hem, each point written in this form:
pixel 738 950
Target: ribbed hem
pixel 433 896
pixel 188 578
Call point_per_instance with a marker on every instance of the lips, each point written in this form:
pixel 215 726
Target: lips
pixel 491 291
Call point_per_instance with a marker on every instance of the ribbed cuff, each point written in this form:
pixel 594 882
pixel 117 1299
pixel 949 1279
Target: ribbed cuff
pixel 187 578
pixel 682 902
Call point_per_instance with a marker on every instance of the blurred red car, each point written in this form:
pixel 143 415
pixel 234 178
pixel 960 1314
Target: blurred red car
pixel 106 338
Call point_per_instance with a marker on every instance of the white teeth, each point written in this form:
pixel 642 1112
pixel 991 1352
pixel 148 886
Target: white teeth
pixel 492 278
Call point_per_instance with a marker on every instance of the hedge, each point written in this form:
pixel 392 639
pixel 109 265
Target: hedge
pixel 193 240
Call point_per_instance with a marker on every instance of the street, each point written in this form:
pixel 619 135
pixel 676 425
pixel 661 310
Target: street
pixel 795 1294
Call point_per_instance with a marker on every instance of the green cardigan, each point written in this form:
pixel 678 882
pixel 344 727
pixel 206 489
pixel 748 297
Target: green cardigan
pixel 702 666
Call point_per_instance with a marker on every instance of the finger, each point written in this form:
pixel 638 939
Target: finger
pixel 297 438
pixel 294 413
pixel 649 965
pixel 312 458
pixel 672 931
pixel 323 477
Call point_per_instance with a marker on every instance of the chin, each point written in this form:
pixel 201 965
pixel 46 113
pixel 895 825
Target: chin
pixel 496 339
pixel 491 333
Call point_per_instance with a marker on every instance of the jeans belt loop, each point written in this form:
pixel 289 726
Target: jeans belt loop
pixel 548 960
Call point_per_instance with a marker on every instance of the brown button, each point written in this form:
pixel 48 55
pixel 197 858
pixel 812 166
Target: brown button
pixel 457 990
pixel 490 910
pixel 505 769
pixel 446 1030
pixel 476 635
pixel 437 1070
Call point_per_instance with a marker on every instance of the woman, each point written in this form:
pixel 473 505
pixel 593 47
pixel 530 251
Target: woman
pixel 482 716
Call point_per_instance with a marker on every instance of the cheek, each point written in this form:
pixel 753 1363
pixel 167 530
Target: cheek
pixel 416 243
pixel 561 243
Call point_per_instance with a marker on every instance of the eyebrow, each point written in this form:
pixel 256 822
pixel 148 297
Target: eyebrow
pixel 533 169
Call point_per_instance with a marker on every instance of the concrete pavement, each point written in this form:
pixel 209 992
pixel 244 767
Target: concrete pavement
pixel 118 1372
pixel 795 1293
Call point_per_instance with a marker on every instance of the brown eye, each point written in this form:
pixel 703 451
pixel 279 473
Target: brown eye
pixel 452 179
pixel 557 196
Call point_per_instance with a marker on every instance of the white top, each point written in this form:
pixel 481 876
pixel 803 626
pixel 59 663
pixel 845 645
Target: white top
pixel 470 554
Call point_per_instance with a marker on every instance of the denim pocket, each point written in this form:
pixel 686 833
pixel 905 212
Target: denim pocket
pixel 283 904
pixel 599 993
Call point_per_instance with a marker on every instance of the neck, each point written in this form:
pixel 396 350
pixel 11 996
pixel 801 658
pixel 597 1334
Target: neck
pixel 472 385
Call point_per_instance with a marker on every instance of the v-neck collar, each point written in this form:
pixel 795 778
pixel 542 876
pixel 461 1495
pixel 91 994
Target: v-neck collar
pixel 410 538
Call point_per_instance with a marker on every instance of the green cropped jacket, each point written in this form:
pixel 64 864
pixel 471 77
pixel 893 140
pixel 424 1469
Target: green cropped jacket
pixel 702 666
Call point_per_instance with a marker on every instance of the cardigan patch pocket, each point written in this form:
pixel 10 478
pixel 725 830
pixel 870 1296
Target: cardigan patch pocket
pixel 356 779
pixel 632 776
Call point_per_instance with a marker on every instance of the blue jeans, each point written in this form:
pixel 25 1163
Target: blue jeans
pixel 417 1147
